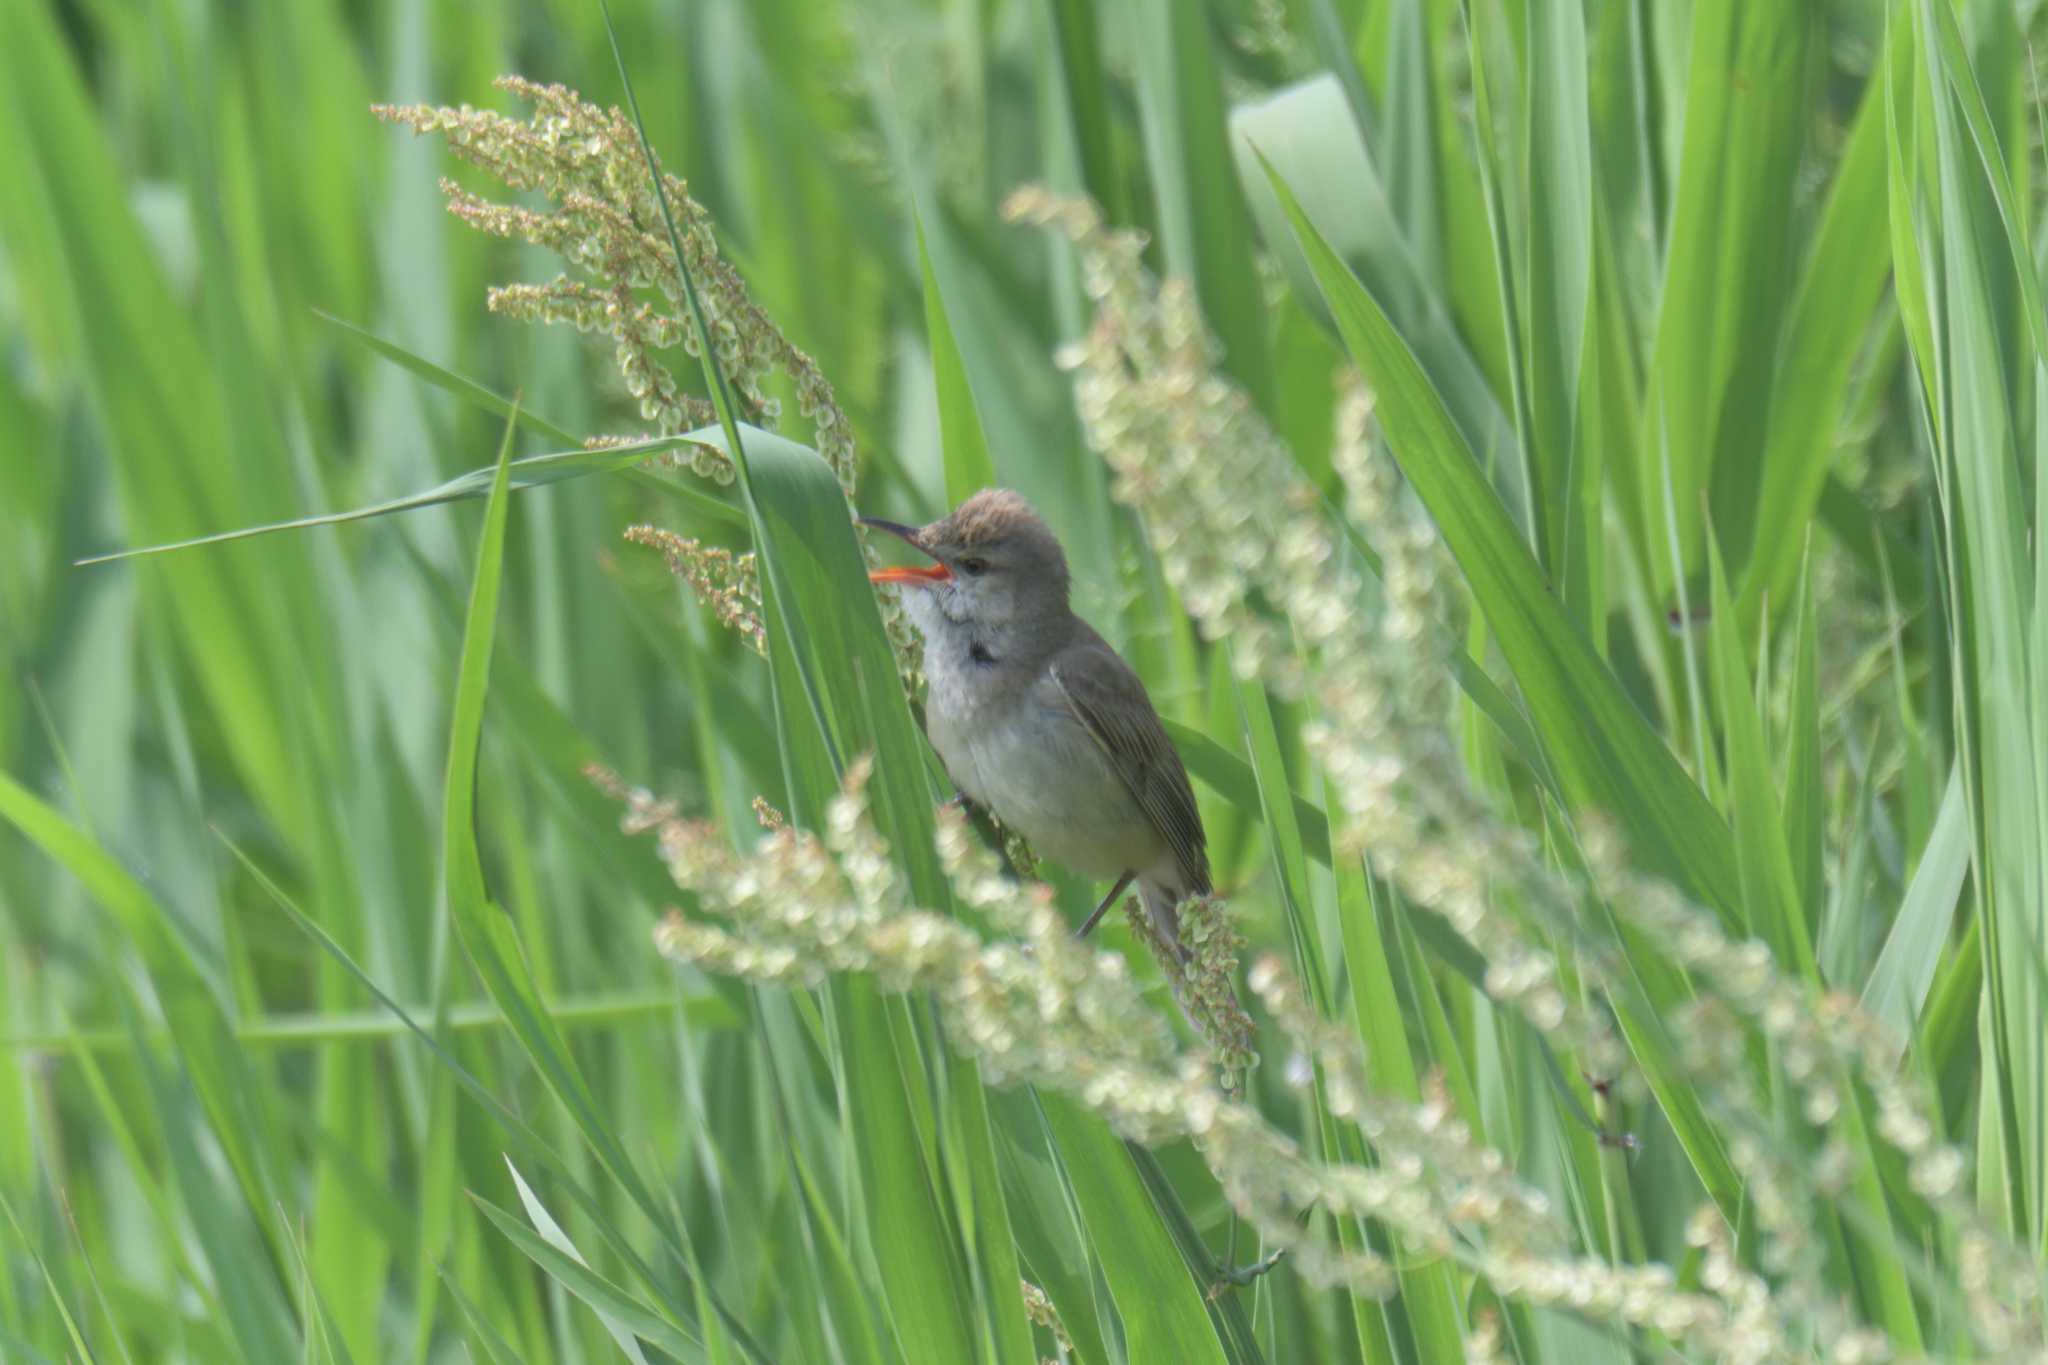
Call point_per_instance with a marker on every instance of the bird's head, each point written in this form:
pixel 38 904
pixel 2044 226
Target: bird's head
pixel 995 564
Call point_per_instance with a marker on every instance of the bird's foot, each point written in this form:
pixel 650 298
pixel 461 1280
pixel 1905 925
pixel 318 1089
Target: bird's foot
pixel 1236 1277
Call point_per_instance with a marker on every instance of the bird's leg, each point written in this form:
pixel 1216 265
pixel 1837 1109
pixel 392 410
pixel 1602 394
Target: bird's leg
pixel 1240 1276
pixel 1107 901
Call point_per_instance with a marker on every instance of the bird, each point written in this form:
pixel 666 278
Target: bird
pixel 1037 718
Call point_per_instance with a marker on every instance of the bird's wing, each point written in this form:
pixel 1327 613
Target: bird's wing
pixel 1103 693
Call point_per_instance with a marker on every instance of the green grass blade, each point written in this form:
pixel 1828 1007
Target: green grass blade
pixel 1203 229
pixel 1278 811
pixel 1233 779
pixel 1305 131
pixel 462 867
pixel 486 932
pixel 1725 270
pixel 1955 66
pixel 245 1287
pixel 528 1143
pixel 1770 891
pixel 1606 753
pixel 610 1302
pixel 1156 1296
pixel 448 381
pixel 707 351
pixel 1557 278
pixel 1408 134
pixel 984 1213
pixel 1840 287
pixel 1805 813
pixel 1306 932
pixel 1429 1289
pixel 1979 420
pixel 489 400
pixel 551 1232
pixel 532 471
pixel 186 984
pixel 486 1341
pixel 1484 31
pixel 72 1331
pixel 143 366
pixel 841 698
pixel 916 1246
pixel 1077 50
pixel 1226 1311
pixel 162 939
pixel 323 1334
pixel 1230 778
pixel 1904 88
pixel 313 1029
pixel 848 1297
pixel 968 465
pixel 1905 967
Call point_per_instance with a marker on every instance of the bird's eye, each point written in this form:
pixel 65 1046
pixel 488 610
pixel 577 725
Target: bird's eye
pixel 974 568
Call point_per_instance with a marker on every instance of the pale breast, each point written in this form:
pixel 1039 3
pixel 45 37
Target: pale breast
pixel 1044 776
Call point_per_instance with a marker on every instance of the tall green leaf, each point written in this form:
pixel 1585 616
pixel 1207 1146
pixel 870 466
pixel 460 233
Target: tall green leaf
pixel 1157 1298
pixel 1838 289
pixel 1725 269
pixel 1770 889
pixel 1558 190
pixel 968 466
pixel 1204 232
pixel 1599 742
pixel 1605 752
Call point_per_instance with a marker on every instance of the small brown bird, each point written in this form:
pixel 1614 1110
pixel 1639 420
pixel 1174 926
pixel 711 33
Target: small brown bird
pixel 1034 715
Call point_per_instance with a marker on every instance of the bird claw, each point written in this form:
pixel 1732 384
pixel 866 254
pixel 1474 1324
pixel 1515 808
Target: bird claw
pixel 1237 1277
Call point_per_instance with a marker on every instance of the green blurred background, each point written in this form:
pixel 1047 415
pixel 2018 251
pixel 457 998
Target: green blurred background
pixel 1648 252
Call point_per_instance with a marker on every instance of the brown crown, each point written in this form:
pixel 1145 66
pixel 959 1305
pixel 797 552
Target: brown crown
pixel 991 515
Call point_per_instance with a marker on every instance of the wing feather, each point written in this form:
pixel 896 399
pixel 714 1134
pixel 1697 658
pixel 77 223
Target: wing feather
pixel 1110 702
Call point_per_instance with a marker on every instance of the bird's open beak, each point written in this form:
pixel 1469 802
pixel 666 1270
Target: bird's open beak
pixel 930 573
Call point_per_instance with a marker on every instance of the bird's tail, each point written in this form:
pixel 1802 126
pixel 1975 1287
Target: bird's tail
pixel 1159 901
